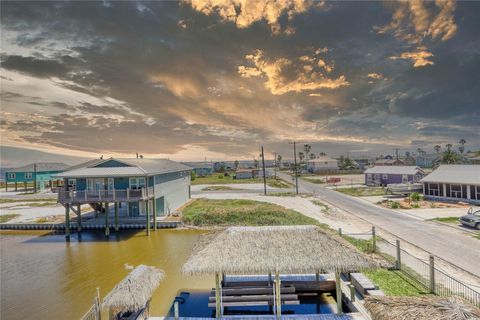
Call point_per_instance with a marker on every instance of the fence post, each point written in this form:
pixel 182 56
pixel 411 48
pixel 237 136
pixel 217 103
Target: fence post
pixel 352 293
pixel 99 309
pixel 374 239
pixel 432 274
pixel 340 231
pixel 399 256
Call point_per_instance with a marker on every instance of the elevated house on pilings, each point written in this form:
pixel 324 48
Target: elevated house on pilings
pixel 144 189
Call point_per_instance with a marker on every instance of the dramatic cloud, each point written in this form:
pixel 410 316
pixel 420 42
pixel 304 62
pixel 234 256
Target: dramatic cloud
pixel 420 58
pixel 283 75
pixel 245 13
pixel 177 82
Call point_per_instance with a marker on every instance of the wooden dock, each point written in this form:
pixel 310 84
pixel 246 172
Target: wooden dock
pixel 86 225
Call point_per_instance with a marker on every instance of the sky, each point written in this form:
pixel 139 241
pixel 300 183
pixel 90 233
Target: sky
pixel 216 79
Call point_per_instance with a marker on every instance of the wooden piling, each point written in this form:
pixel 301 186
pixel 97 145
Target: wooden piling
pixel 218 304
pixel 79 218
pixel 339 292
pixel 16 186
pixel 278 301
pixel 116 217
pixel 67 222
pixel 107 223
pixel 148 217
pixel 154 213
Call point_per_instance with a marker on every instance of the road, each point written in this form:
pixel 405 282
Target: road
pixel 442 241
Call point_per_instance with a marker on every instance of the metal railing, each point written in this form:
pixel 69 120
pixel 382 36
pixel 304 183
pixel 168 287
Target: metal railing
pixel 95 312
pixel 422 271
pixel 112 195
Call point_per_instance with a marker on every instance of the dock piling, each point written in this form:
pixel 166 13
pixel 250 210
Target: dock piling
pixel 107 224
pixel 67 222
pixel 79 218
pixel 116 217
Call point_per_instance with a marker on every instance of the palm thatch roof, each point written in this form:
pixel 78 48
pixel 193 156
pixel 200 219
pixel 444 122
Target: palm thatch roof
pixel 135 290
pixel 286 249
pixel 428 308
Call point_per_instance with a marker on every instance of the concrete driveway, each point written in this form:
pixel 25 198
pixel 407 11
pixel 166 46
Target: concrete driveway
pixel 450 244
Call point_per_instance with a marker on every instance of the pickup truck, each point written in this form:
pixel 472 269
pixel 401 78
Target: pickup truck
pixel 471 219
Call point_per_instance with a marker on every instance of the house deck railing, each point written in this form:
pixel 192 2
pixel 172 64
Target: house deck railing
pixel 112 195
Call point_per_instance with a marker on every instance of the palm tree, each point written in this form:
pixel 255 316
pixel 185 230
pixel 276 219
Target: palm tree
pixel 462 145
pixel 301 156
pixel 448 146
pixel 420 151
pixel 236 164
pixel 307 149
pixel 437 148
pixel 449 156
pixel 311 156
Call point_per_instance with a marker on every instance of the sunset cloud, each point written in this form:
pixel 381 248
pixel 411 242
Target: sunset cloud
pixel 375 75
pixel 285 75
pixel 246 12
pixel 420 58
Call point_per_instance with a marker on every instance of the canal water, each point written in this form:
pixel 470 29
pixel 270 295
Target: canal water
pixel 43 277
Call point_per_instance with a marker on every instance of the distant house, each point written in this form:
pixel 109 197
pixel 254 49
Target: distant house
pixel 383 175
pixel 244 174
pixel 362 162
pixel 389 162
pixel 141 184
pixel 41 172
pixel 453 182
pixel 322 164
pixel 201 169
pixel 475 160
pixel 220 166
pixel 426 160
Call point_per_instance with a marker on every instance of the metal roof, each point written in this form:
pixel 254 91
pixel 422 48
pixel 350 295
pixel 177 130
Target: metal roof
pixel 394 170
pixel 41 167
pixel 133 167
pixel 455 173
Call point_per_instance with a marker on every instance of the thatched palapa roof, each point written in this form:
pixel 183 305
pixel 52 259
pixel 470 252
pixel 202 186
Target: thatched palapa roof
pixel 420 308
pixel 134 291
pixel 286 249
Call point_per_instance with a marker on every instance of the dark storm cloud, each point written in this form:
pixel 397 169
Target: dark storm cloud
pixel 166 76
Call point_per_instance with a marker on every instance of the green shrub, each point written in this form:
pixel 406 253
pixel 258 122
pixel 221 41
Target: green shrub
pixel 415 205
pixel 394 205
pixel 415 196
pixel 193 175
pixel 220 176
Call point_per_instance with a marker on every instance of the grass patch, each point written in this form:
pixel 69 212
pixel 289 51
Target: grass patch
pixel 477 235
pixel 208 212
pixel 395 283
pixel 361 244
pixel 362 192
pixel 219 178
pixel 218 188
pixel 325 208
pixel 7 217
pixel 453 220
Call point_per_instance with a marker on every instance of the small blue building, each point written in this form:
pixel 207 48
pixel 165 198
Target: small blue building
pixel 146 187
pixel 40 172
pixel 384 175
pixel 201 169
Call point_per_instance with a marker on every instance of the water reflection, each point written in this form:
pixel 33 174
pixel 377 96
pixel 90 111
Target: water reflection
pixel 42 276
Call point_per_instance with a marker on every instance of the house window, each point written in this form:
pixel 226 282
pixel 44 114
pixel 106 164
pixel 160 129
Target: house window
pixel 137 183
pixel 369 176
pixel 404 178
pixel 11 176
pixel 433 189
pixel 385 176
pixel 72 183
pixel 28 175
pixel 456 191
pixel 478 192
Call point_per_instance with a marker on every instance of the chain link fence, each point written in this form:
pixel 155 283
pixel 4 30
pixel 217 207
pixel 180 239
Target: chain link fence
pixel 422 271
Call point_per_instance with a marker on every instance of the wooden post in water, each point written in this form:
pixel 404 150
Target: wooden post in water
pixel 107 223
pixel 67 222
pixel 79 218
pixel 24 185
pixel 154 205
pixel 116 217
pixel 148 217
pixel 218 304
pixel 16 186
pixel 339 292
pixel 278 301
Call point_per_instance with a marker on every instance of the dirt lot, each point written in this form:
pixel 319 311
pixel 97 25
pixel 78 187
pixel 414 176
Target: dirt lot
pixel 348 179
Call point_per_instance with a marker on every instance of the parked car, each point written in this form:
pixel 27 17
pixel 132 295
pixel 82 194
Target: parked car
pixel 472 219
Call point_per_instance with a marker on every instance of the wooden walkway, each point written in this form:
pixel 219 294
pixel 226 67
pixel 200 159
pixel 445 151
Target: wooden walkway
pixel 346 316
pixel 87 225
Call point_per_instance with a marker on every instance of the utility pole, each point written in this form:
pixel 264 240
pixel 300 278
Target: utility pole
pixel 295 165
pixel 264 175
pixel 275 165
pixel 396 152
pixel 35 177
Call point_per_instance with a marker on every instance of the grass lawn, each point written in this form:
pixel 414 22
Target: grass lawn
pixel 361 244
pixel 207 212
pixel 219 178
pixel 395 283
pixel 219 188
pixel 325 208
pixel 477 235
pixel 7 217
pixel 9 200
pixel 362 192
pixel 453 220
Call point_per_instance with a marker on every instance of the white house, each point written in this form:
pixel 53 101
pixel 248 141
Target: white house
pixel 322 164
pixel 453 182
